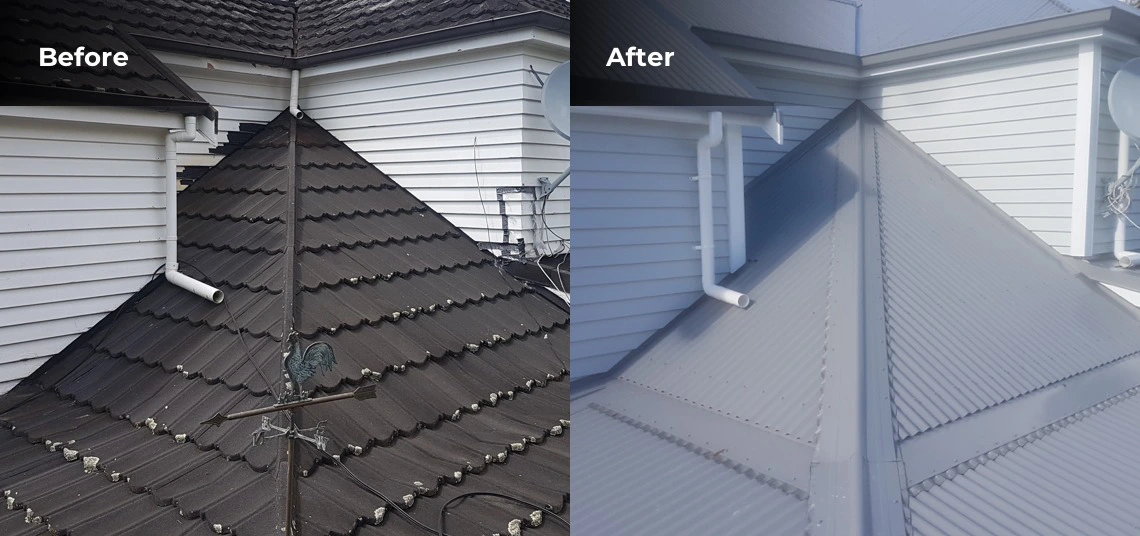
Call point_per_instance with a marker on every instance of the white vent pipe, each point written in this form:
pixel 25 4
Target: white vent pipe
pixel 294 85
pixel 172 273
pixel 1124 257
pixel 704 193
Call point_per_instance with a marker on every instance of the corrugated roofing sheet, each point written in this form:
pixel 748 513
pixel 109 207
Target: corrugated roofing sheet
pixel 979 310
pixel 964 311
pixel 1078 476
pixel 762 365
pixel 469 364
pixel 619 462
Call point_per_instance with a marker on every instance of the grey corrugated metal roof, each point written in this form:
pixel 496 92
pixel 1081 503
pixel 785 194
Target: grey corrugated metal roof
pixel 1077 476
pixel 886 292
pixel 618 459
pixel 884 25
pixel 695 74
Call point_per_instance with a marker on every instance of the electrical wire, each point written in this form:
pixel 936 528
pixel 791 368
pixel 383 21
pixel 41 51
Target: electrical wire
pixel 543 509
pixel 479 186
pixel 399 511
pixel 241 337
pixel 1118 194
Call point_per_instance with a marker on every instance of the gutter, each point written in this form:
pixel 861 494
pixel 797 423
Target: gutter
pixel 704 193
pixel 172 274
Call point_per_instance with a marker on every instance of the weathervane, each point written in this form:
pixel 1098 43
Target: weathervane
pixel 299 367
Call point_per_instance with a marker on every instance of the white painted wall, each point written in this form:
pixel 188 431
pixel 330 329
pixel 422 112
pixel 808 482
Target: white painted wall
pixel 636 222
pixel 452 123
pixel 1004 125
pixel 806 103
pixel 81 228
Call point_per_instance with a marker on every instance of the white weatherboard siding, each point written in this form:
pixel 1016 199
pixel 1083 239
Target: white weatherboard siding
pixel 1107 143
pixel 453 128
pixel 636 223
pixel 81 229
pixel 1006 126
pixel 242 93
pixel 806 103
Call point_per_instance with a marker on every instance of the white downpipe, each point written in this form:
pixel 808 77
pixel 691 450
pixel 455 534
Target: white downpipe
pixel 704 193
pixel 172 274
pixel 294 85
pixel 1124 257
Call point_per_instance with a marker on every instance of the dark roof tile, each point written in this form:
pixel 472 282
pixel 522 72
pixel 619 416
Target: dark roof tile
pixel 457 349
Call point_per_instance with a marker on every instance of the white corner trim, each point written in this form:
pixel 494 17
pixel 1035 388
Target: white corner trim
pixel 1085 159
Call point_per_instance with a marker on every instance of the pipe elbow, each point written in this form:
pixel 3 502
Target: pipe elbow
pixel 728 296
pixel 193 285
pixel 715 134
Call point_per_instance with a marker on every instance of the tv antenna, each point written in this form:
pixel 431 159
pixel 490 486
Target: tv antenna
pixel 556 108
pixel 1124 106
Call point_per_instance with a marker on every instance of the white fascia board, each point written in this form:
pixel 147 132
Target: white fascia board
pixel 1121 42
pixel 984 52
pixel 767 118
pixel 767 60
pixel 213 64
pixel 1085 159
pixel 104 115
pixel 534 36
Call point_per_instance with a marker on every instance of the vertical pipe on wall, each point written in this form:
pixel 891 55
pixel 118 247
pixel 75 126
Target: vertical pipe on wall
pixel 704 198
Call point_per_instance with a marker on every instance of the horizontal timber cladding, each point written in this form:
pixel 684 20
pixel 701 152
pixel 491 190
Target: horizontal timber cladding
pixel 464 132
pixel 636 219
pixel 81 229
pixel 1006 126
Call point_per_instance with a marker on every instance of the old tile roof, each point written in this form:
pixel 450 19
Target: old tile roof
pixel 290 29
pixel 304 236
pixel 144 81
pixel 905 331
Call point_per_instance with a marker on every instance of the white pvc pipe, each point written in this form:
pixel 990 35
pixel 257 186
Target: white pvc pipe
pixel 1125 258
pixel 294 85
pixel 172 274
pixel 704 193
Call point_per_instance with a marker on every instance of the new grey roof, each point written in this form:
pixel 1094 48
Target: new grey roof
pixel 914 360
pixel 884 25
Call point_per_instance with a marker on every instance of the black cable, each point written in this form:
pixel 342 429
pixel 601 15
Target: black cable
pixel 543 509
pixel 233 322
pixel 119 311
pixel 395 507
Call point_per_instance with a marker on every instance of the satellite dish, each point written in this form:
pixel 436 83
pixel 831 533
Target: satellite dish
pixel 556 99
pixel 1124 98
